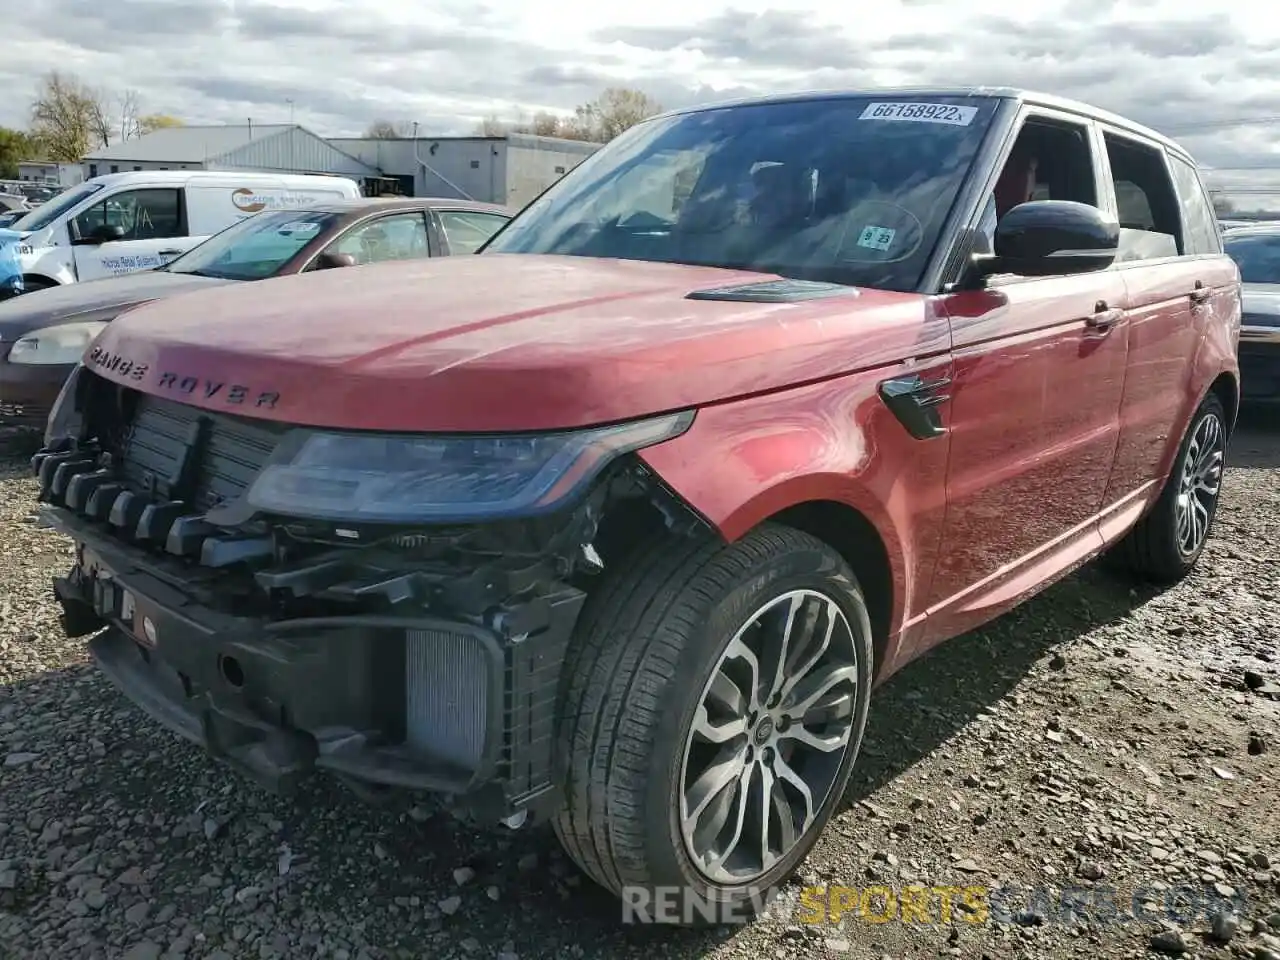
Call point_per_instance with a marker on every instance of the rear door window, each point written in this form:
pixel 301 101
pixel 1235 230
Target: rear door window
pixel 1146 202
pixel 466 231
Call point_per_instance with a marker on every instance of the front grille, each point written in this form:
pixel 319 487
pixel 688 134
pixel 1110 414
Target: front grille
pixel 156 469
pixel 155 445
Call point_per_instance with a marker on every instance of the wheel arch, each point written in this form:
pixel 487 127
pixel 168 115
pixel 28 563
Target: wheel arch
pixel 1227 388
pixel 852 535
pixel 40 278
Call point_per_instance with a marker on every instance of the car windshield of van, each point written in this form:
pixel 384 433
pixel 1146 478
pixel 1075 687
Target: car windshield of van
pixel 1257 256
pixel 850 190
pixel 49 212
pixel 254 248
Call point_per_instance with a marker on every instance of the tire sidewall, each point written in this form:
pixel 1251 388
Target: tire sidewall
pixel 812 566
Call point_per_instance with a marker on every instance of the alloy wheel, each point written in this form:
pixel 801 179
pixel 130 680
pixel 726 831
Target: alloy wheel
pixel 1199 484
pixel 770 736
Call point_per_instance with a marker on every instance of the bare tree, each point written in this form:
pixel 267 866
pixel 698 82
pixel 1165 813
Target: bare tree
pixel 67 118
pixel 1222 206
pixel 615 111
pixel 130 128
pixel 388 130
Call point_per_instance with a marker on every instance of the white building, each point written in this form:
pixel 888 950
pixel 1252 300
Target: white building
pixel 510 170
pixel 50 171
pixel 266 148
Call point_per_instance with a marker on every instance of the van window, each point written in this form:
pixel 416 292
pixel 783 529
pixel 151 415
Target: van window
pixel 143 215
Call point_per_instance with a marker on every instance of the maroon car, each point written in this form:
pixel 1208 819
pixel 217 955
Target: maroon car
pixel 44 333
pixel 620 523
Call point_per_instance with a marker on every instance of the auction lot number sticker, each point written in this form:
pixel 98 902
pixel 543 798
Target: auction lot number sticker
pixel 921 113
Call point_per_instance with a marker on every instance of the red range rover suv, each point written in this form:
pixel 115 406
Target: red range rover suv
pixel 619 523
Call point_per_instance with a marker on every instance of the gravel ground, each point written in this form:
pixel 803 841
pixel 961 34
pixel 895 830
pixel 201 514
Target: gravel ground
pixel 1104 736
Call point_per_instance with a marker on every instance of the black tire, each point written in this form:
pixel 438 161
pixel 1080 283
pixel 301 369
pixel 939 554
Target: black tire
pixel 645 648
pixel 1151 550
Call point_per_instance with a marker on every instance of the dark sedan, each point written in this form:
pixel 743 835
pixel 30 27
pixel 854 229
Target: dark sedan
pixel 1256 251
pixel 43 334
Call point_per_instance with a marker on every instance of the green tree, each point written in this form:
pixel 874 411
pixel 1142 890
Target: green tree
pixel 15 146
pixel 156 121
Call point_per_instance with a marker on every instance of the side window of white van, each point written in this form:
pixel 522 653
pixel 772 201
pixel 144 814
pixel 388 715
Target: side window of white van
pixel 142 214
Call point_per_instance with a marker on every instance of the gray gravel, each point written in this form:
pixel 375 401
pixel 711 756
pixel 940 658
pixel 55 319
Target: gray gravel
pixel 1101 735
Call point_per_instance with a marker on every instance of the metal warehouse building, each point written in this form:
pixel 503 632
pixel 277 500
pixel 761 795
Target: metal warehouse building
pixel 511 169
pixel 268 148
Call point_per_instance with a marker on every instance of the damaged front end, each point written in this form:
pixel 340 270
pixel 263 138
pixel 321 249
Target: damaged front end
pixel 393 609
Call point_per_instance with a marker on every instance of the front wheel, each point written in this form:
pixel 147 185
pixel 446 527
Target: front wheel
pixel 715 702
pixel 1166 544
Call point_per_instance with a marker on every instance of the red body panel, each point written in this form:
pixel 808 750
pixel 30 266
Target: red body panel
pixel 495 343
pixel 1056 434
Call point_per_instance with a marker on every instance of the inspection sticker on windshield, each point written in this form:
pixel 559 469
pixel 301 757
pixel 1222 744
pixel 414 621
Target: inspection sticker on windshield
pixel 876 238
pixel 921 113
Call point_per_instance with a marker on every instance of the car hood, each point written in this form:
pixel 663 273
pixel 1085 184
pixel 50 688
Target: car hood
pixel 92 299
pixel 1261 300
pixel 495 342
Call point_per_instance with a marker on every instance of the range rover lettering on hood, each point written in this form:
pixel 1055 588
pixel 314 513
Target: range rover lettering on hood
pixel 181 384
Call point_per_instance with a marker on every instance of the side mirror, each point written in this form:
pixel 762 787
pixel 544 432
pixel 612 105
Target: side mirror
pixel 329 260
pixel 1051 238
pixel 103 233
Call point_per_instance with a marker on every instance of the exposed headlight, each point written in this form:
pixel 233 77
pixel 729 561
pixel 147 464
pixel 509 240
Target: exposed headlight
pixel 52 345
pixel 423 479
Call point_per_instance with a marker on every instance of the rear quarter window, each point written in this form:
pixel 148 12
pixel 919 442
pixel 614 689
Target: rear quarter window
pixel 1200 232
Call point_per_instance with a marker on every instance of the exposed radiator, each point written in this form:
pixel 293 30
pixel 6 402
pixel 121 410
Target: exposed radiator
pixel 446 696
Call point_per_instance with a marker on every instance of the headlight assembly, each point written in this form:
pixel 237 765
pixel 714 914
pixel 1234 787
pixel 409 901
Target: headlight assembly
pixel 406 479
pixel 63 344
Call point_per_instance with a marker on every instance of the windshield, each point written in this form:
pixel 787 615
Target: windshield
pixel 51 211
pixel 254 248
pixel 849 190
pixel 1258 257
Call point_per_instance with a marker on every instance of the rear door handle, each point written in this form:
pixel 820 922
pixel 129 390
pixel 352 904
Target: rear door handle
pixel 1201 293
pixel 170 253
pixel 1103 317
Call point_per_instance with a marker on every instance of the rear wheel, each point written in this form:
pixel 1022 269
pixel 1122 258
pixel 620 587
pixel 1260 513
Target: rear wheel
pixel 714 707
pixel 1166 544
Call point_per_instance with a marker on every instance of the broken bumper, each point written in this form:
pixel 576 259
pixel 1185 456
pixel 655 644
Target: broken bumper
pixel 419 703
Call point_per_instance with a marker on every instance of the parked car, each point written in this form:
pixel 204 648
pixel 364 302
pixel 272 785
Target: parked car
pixel 618 523
pixel 125 222
pixel 1256 249
pixel 44 334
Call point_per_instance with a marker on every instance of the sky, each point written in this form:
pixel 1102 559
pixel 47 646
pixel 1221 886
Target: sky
pixel 1188 69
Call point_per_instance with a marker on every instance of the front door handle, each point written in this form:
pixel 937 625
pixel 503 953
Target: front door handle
pixel 1103 317
pixel 170 253
pixel 1201 293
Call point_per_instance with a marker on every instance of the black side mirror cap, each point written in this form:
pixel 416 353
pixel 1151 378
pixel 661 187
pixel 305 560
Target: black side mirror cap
pixel 1050 238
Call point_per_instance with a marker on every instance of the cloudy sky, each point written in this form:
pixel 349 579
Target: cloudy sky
pixel 1189 69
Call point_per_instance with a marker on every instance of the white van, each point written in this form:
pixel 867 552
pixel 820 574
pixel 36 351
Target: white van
pixel 125 222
